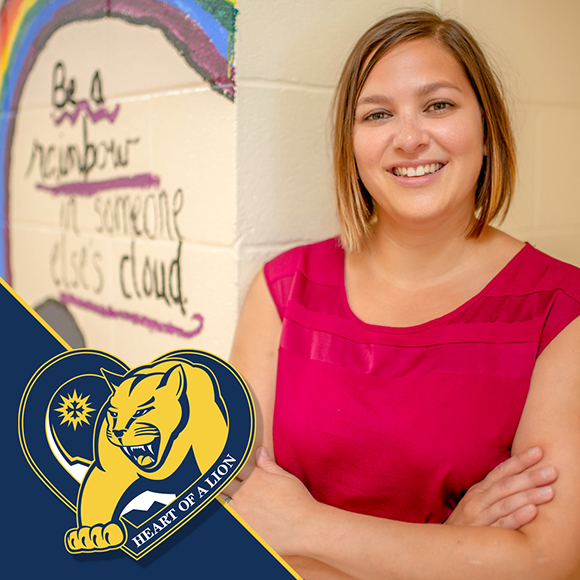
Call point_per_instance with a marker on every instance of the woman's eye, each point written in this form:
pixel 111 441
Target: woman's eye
pixel 440 106
pixel 377 116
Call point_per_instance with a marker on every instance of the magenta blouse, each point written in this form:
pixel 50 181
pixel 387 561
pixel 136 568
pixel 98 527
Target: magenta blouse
pixel 400 422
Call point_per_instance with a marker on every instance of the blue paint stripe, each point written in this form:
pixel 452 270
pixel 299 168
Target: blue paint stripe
pixel 212 27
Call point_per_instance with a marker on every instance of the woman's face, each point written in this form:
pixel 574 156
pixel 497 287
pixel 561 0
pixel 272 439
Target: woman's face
pixel 418 136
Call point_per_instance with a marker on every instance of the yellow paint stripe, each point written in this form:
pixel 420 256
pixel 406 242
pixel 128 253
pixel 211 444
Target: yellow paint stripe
pixel 23 9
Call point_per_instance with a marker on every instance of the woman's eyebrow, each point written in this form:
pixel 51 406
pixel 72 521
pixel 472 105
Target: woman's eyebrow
pixel 421 92
pixel 432 87
pixel 373 100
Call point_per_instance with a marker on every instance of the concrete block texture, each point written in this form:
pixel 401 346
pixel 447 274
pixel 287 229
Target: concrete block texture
pixel 134 61
pixel 283 165
pixel 200 312
pixel 557 153
pixel 300 41
pixel 193 151
pixel 536 47
pixel 233 184
pixel 138 241
pixel 279 52
pixel 537 42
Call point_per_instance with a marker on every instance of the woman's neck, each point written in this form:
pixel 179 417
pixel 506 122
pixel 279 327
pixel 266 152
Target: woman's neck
pixel 396 283
pixel 422 256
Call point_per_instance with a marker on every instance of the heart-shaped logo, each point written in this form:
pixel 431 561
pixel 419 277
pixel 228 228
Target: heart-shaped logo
pixel 135 453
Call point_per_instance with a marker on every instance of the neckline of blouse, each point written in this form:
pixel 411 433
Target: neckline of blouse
pixel 435 321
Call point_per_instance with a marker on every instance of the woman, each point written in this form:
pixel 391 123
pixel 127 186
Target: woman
pixel 393 373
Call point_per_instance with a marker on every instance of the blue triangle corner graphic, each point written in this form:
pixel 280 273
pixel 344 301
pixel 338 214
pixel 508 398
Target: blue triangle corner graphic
pixel 215 544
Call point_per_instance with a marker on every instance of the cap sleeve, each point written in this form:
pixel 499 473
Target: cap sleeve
pixel 280 273
pixel 563 311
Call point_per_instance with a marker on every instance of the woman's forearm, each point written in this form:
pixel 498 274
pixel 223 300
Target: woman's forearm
pixel 311 569
pixel 281 510
pixel 366 547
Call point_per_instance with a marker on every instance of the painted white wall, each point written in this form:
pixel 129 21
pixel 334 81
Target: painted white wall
pixel 186 138
pixel 537 48
pixel 288 59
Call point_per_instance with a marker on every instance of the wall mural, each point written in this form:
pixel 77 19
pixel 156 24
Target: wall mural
pixel 99 193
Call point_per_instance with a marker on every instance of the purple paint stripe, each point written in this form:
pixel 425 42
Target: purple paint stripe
pixel 96 116
pixel 83 188
pixel 134 318
pixel 186 35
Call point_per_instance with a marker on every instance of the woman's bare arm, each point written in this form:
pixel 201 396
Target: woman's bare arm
pixel 254 354
pixel 548 548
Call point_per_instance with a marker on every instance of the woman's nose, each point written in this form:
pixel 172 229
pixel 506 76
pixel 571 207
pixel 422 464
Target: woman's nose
pixel 410 135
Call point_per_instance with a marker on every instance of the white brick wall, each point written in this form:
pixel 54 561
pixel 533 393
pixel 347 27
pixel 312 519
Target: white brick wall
pixel 186 138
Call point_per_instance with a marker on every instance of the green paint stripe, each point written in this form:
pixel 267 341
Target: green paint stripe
pixel 222 11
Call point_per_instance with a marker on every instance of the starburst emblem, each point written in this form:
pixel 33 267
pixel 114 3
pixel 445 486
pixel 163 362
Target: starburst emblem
pixel 75 410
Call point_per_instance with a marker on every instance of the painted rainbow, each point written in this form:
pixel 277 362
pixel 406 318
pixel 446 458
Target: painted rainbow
pixel 201 30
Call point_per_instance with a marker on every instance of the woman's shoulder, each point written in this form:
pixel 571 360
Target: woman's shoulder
pixel 535 271
pixel 536 286
pixel 319 263
pixel 311 260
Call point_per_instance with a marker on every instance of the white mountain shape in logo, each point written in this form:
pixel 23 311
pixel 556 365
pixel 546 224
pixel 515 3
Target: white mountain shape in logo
pixel 145 500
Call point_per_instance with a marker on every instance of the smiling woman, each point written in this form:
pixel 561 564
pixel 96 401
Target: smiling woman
pixel 425 369
pixel 417 112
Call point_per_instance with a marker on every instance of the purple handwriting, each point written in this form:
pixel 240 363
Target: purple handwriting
pixel 142 181
pixel 134 318
pixel 96 115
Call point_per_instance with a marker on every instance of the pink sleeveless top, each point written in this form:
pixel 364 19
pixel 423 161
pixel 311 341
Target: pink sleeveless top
pixel 400 422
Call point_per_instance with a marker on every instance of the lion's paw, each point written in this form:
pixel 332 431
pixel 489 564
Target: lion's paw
pixel 95 538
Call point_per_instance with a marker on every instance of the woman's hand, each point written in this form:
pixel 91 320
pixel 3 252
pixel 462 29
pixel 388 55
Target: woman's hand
pixel 508 497
pixel 274 503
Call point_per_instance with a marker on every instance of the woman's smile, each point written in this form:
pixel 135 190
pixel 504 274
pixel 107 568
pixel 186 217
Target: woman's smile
pixel 417 170
pixel 418 128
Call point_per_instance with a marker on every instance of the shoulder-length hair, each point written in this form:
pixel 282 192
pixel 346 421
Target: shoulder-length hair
pixel 497 178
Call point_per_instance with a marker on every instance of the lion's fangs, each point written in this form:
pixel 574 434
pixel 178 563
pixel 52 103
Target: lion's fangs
pixel 132 451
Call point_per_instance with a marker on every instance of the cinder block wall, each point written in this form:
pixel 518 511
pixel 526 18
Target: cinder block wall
pixel 142 269
pixel 288 57
pixel 289 54
pixel 537 47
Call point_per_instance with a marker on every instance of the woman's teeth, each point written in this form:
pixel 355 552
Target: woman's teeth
pixel 417 171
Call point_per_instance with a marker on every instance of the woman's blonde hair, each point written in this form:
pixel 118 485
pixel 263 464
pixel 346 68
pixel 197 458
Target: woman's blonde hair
pixel 497 178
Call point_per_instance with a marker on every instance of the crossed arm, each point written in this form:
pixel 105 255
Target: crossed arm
pixel 511 537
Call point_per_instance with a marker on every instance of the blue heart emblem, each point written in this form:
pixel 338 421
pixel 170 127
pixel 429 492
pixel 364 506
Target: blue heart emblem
pixel 135 453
